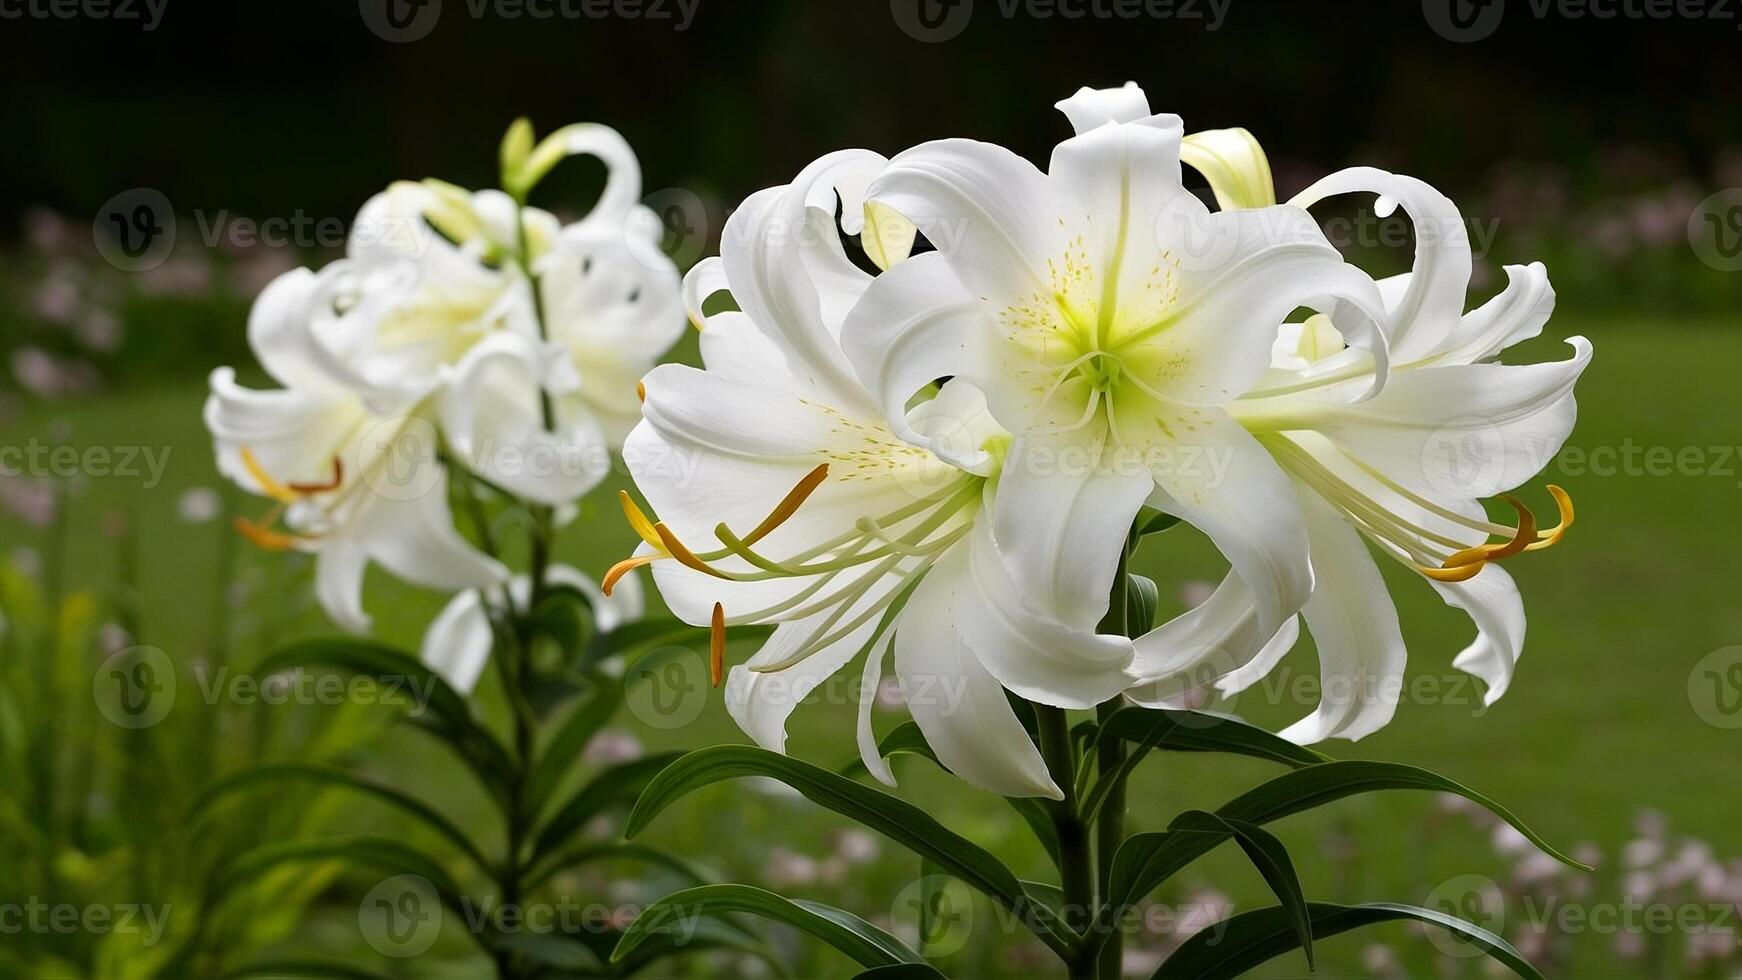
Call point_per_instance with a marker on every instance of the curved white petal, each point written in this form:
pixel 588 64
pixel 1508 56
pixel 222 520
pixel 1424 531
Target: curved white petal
pixel 914 325
pixel 1235 165
pixel 958 706
pixel 1061 515
pixel 1089 108
pixel 1235 493
pixel 622 169
pixel 1354 625
pixel 339 569
pixel 295 434
pixel 458 642
pixel 415 539
pixel 1493 602
pixel 1429 310
pixel 1469 430
pixel 760 702
pixel 1026 648
pixel 1235 276
pixel 788 271
pixel 866 735
pixel 1515 315
pixel 1217 642
pixel 994 217
pixel 492 415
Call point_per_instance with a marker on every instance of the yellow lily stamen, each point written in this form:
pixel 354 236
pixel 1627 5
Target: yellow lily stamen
pixel 1521 539
pixel 717 646
pixel 269 486
pixel 790 504
pixel 623 568
pixel 337 480
pixel 638 521
pixel 677 549
pixel 1552 536
pixel 1466 564
pixel 262 535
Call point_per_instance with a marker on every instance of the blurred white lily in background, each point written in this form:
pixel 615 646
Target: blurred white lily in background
pixel 1405 470
pixel 458 642
pixel 1111 319
pixel 854 534
pixel 459 325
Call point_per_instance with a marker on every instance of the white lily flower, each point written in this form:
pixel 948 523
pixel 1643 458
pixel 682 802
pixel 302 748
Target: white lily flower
pixel 852 538
pixel 432 320
pixel 458 642
pixel 349 483
pixel 1405 470
pixel 1110 318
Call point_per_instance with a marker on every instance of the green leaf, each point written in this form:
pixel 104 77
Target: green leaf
pixel 330 775
pixel 436 706
pixel 1195 731
pixel 569 742
pixel 1146 860
pixel 846 932
pixel 381 853
pixel 902 971
pixel 710 934
pixel 552 949
pixel 587 853
pixel 274 969
pixel 894 818
pixel 610 786
pixel 1152 521
pixel 1142 598
pixel 1269 857
pixel 1251 938
pixel 907 739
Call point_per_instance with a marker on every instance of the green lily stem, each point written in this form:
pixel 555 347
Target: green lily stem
pixel 1076 866
pixel 1110 757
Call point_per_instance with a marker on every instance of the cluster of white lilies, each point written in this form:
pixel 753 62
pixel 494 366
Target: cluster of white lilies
pixel 939 453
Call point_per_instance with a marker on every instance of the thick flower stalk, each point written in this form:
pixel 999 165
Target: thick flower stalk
pixel 784 494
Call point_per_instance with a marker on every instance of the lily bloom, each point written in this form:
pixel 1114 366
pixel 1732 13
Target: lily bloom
pixel 459 326
pixel 785 495
pixel 1405 471
pixel 1111 321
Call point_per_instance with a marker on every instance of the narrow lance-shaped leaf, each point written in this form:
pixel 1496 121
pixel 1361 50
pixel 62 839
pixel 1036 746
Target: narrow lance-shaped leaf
pixel 890 816
pixel 1232 948
pixel 907 739
pixel 612 785
pixel 267 773
pixel 679 912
